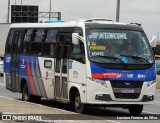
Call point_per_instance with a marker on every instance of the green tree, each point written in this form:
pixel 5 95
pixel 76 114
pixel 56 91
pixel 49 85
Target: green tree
pixel 157 50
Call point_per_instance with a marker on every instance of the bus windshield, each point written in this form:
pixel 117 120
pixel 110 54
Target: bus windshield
pixel 118 46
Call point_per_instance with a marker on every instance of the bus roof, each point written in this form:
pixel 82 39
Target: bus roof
pixel 93 22
pixel 36 25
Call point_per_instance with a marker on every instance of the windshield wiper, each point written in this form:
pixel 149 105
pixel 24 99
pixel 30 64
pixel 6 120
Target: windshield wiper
pixel 112 57
pixel 137 57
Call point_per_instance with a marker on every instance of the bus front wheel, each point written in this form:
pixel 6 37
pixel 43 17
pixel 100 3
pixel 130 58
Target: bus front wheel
pixel 78 106
pixel 135 110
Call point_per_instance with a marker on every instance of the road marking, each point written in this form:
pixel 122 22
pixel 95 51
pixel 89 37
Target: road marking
pixel 149 112
pixel 156 102
pixel 11 113
pixel 7 98
pixel 112 121
pixel 2 84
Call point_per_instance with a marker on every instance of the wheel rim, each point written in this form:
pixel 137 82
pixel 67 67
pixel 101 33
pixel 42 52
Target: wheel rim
pixel 77 102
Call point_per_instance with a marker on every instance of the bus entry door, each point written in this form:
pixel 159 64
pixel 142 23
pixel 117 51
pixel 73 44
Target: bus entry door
pixel 17 37
pixel 61 72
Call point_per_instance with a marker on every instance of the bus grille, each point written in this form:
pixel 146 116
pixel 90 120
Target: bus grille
pixel 132 89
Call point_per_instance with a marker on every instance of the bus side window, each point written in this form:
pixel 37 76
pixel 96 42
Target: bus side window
pixel 28 35
pixel 26 42
pixel 25 47
pixel 77 52
pixel 68 40
pixel 48 49
pixel 51 35
pixel 9 42
pixel 35 48
pixel 40 35
pixel 17 41
pixel 49 43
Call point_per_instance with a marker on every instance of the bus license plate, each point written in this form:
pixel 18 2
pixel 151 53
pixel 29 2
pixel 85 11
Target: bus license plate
pixel 127 90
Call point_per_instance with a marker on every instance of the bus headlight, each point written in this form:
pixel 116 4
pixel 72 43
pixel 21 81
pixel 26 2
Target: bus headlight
pixel 101 82
pixel 149 83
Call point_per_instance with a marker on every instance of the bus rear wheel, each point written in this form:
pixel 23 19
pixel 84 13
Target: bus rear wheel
pixel 25 94
pixel 78 106
pixel 135 110
pixel 29 98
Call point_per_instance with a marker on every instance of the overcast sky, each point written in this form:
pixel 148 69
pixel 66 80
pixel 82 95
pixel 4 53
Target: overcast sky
pixel 146 12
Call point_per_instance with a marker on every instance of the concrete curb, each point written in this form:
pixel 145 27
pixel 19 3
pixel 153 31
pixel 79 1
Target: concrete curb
pixel 158 81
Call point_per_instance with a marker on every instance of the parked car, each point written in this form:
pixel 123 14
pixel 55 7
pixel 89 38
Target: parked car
pixel 157 66
pixel 1 68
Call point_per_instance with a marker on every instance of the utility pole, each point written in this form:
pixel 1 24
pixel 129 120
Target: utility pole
pixel 158 38
pixel 8 11
pixel 50 10
pixel 118 11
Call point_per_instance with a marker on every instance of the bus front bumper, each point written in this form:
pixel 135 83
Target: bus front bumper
pixel 98 94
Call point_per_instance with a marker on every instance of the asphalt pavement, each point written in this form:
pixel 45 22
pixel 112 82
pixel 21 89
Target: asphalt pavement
pixel 107 114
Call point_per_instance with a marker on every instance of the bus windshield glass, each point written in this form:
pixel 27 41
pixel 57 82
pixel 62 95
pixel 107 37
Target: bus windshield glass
pixel 118 46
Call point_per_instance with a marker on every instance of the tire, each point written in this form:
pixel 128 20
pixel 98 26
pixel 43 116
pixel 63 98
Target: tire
pixel 25 94
pixel 78 106
pixel 35 99
pixel 135 110
pixel 29 98
pixel 158 72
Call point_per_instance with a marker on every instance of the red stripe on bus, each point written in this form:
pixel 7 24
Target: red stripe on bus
pixel 104 75
pixel 30 78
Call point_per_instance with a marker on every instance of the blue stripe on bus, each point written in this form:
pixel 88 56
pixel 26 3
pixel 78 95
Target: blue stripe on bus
pixel 33 70
pixel 35 74
pixel 113 74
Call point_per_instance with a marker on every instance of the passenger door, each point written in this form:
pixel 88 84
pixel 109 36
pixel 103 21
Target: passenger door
pixel 61 66
pixel 16 43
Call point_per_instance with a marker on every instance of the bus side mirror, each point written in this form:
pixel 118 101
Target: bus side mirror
pixel 75 38
pixel 153 41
